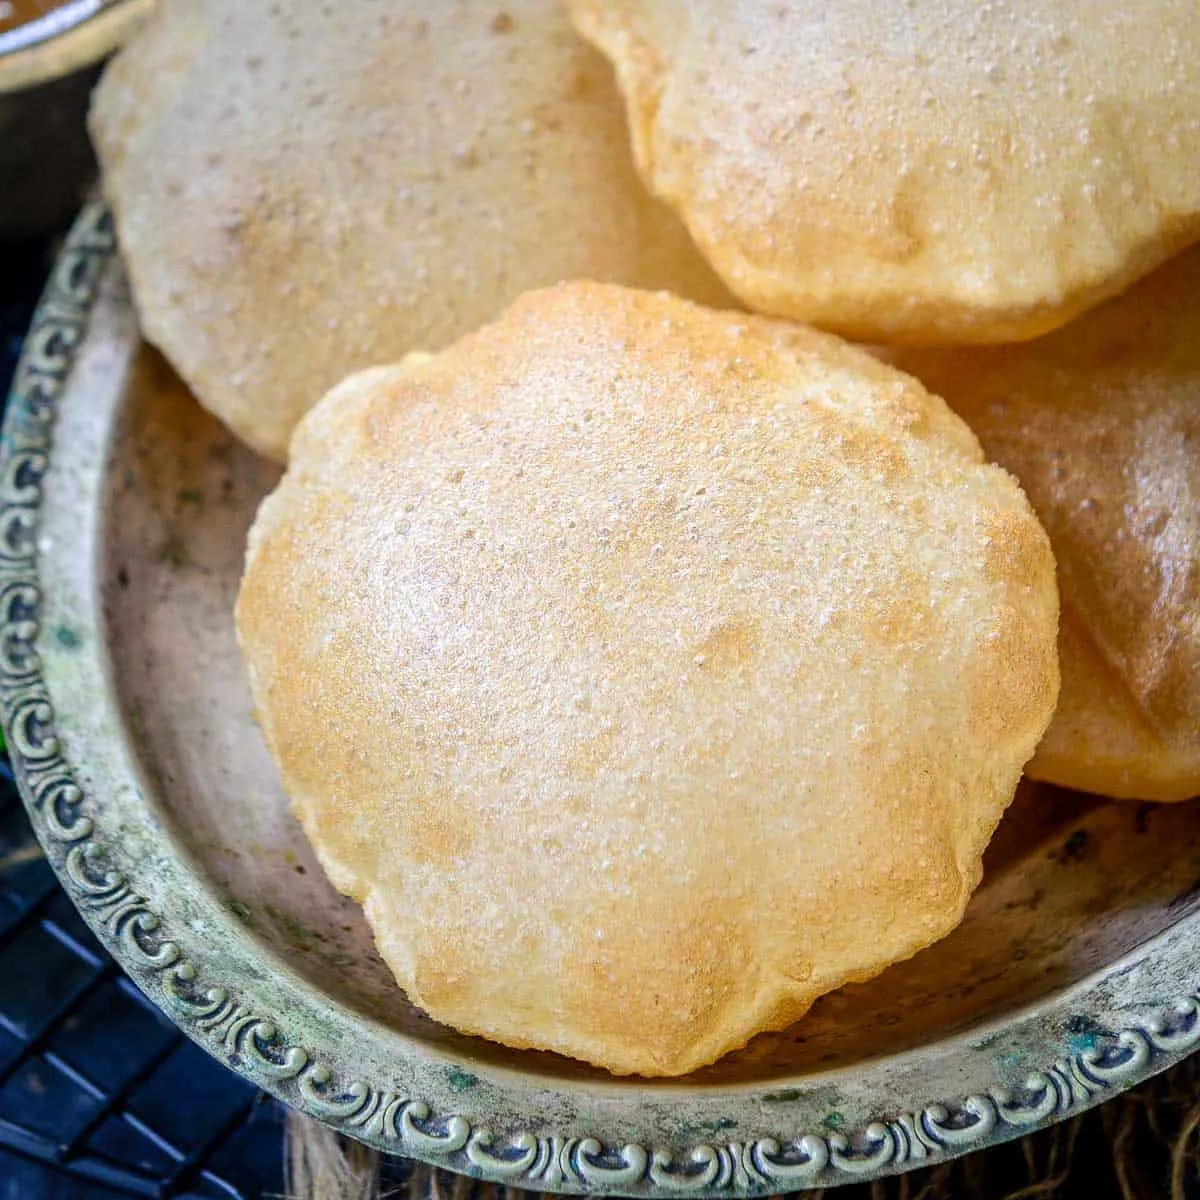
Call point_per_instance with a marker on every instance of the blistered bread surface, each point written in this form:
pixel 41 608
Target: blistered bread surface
pixel 936 171
pixel 306 189
pixel 646 671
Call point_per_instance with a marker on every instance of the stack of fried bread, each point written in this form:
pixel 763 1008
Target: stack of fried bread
pixel 610 595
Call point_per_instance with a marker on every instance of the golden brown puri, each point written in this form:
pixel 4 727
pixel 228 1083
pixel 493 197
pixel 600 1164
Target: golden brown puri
pixel 935 172
pixel 1101 424
pixel 646 671
pixel 306 189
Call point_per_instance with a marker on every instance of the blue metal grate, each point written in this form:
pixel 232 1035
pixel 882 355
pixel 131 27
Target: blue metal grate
pixel 94 1082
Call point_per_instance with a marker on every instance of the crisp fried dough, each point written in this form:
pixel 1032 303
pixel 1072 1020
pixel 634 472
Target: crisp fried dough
pixel 646 671
pixel 304 189
pixel 932 172
pixel 1101 424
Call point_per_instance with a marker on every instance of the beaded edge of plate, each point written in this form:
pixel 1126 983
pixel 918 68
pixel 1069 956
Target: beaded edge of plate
pixel 256 1044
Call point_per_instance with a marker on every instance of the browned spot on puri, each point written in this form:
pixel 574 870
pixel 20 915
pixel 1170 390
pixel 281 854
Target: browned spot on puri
pixel 730 644
pixel 443 836
pixel 861 448
pixel 575 805
pixel 592 752
pixel 585 82
pixel 1014 548
pixel 898 614
pixel 1016 673
pixel 502 23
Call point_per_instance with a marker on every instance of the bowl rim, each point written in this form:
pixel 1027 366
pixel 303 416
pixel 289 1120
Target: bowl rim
pixel 240 1019
pixel 75 35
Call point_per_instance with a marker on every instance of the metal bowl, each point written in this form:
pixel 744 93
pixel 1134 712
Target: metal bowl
pixel 47 70
pixel 123 512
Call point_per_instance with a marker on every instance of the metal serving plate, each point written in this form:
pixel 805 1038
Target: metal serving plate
pixel 124 510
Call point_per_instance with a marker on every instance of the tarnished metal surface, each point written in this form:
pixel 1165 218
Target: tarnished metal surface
pixel 1075 974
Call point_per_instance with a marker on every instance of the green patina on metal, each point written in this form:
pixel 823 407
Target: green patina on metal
pixel 318 1025
pixel 460 1080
